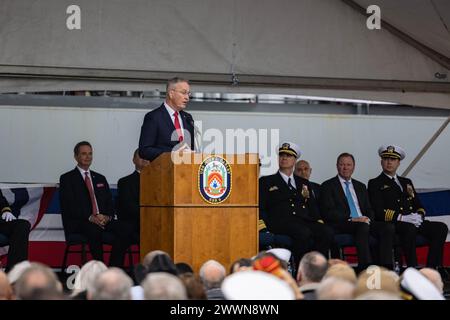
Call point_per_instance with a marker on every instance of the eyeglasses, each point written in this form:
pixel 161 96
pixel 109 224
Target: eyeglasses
pixel 183 92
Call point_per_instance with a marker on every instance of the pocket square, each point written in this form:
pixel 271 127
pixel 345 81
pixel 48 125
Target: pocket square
pixel 385 187
pixel 273 188
pixel 100 185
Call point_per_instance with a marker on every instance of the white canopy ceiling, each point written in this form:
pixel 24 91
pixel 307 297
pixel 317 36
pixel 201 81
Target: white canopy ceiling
pixel 287 46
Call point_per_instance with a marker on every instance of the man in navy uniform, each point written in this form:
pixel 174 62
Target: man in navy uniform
pixel 288 207
pixel 17 231
pixel 395 200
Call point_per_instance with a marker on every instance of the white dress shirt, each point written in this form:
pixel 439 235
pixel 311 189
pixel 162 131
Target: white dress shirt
pixel 286 178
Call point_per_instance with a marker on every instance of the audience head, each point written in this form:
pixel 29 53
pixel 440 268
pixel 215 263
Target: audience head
pixel 83 154
pixel 183 268
pixel 19 268
pixel 335 289
pixel 194 286
pixel 312 268
pixel 163 286
pixel 341 271
pixel 6 292
pixel 151 255
pixel 434 277
pixel 303 169
pixel 112 284
pixel 162 263
pixel 212 274
pixel 241 265
pixel 84 280
pixel 38 282
pixel 377 279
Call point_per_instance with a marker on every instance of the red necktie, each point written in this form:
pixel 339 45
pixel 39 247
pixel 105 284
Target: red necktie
pixel 87 180
pixel 178 127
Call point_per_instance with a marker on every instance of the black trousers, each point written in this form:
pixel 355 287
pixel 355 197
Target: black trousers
pixel 384 233
pixel 122 240
pixel 360 232
pixel 435 232
pixel 17 231
pixel 307 236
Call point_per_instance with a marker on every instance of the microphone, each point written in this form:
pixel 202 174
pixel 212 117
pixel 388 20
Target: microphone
pixel 196 132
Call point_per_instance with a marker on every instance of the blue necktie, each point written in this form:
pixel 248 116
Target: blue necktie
pixel 351 203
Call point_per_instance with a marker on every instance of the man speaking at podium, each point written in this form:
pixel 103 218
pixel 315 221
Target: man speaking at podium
pixel 168 128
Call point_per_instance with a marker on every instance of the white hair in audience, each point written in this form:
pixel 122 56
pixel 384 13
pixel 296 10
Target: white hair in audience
pixel 212 274
pixel 15 273
pixel 84 280
pixel 112 284
pixel 163 286
pixel 335 289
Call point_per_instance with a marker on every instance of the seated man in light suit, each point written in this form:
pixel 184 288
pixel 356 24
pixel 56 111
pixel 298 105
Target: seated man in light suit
pixel 169 127
pixel 345 206
pixel 286 201
pixel 17 231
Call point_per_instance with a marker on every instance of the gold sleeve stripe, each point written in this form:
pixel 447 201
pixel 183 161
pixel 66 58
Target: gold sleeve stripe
pixel 261 225
pixel 389 215
pixel 421 210
pixel 6 209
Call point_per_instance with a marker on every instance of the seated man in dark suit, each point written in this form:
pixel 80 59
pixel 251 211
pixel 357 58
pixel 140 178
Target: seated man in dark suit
pixel 87 207
pixel 169 127
pixel 286 201
pixel 395 200
pixel 17 231
pixel 345 206
pixel 128 195
pixel 304 170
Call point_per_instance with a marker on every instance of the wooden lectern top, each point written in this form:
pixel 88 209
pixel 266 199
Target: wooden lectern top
pixel 166 183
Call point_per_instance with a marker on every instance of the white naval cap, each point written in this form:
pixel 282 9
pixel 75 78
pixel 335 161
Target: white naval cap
pixel 419 286
pixel 290 148
pixel 391 151
pixel 256 285
pixel 281 253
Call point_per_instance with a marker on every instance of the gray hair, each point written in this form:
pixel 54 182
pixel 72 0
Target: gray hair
pixel 112 284
pixel 335 289
pixel 151 255
pixel 36 281
pixel 212 274
pixel 84 280
pixel 172 82
pixel 313 266
pixel 163 286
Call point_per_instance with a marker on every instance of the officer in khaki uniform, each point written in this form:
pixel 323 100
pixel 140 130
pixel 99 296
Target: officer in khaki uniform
pixel 287 206
pixel 394 199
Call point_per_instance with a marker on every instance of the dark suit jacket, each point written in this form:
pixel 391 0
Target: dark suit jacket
pixel 316 190
pixel 388 200
pixel 278 205
pixel 156 132
pixel 333 202
pixel 75 202
pixel 128 198
pixel 4 205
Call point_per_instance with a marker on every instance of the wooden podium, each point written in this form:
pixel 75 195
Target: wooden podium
pixel 176 218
